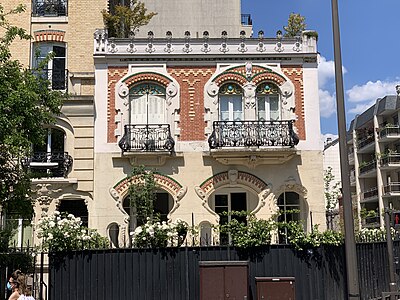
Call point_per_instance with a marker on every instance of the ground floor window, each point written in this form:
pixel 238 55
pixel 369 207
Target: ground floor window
pixel 76 207
pixel 289 207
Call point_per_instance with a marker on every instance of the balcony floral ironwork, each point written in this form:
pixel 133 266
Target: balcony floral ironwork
pixel 147 138
pixel 49 164
pixel 253 134
pixel 49 8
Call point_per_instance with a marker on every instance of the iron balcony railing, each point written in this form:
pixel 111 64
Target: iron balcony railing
pixel 365 142
pixel 147 138
pixel 49 164
pixel 252 134
pixel 390 159
pixel 393 187
pixel 371 193
pixel 389 130
pixel 369 166
pixel 49 8
pixel 246 19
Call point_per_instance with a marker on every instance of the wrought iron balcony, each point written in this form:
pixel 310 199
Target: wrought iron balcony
pixel 49 8
pixel 147 138
pixel 370 194
pixel 49 164
pixel 253 134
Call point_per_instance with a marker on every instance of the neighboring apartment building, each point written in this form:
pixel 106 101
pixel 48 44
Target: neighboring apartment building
pixel 374 145
pixel 229 122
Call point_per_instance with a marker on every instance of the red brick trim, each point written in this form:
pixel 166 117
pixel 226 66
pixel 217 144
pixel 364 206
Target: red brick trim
pixel 295 74
pixel 49 36
pixel 147 76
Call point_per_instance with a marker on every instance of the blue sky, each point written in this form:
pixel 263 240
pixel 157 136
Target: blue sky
pixel 370 42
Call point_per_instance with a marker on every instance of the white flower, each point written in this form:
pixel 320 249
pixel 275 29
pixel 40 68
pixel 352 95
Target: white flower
pixel 138 230
pixel 49 236
pixel 52 224
pixel 56 213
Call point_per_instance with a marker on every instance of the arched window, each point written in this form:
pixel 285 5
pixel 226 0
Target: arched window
pixel 268 102
pixel 76 207
pixel 49 157
pixel 205 234
pixel 289 207
pixel 230 102
pixel 113 233
pixel 55 69
pixel 163 204
pixel 147 104
pixel 228 200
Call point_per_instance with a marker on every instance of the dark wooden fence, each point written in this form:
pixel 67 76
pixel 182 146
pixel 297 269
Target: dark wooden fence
pixel 173 273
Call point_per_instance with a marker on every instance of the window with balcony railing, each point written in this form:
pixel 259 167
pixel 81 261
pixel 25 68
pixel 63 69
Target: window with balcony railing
pixel 147 129
pixel 389 130
pixel 246 19
pixel 49 8
pixel 55 69
pixel 367 166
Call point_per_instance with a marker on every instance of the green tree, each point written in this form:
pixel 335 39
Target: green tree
pixel 26 105
pixel 143 194
pixel 331 189
pixel 296 24
pixel 125 20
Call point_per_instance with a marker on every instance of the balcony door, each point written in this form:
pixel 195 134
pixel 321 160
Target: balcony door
pixel 55 70
pixel 147 104
pixel 230 103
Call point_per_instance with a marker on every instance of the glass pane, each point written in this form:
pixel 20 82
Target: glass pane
pixel 161 207
pixel 221 200
pixel 238 202
pixel 223 108
pixel 261 108
pixel 274 108
pixel 237 108
pixel 57 140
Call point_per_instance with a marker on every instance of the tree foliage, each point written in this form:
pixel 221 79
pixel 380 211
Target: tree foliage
pixel 26 105
pixel 143 194
pixel 331 189
pixel 296 24
pixel 125 20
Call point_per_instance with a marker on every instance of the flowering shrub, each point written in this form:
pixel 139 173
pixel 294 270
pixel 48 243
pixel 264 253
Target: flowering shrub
pixel 159 234
pixel 62 232
pixel 372 235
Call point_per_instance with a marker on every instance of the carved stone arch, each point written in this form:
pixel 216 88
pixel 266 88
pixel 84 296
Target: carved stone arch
pixel 164 182
pixel 292 186
pixel 229 178
pixel 63 123
pixel 157 76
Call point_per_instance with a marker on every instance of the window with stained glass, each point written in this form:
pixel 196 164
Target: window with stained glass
pixel 268 102
pixel 230 102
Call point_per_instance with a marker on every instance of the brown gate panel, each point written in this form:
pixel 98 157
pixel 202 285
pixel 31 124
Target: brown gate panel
pixel 223 280
pixel 275 288
pixel 211 283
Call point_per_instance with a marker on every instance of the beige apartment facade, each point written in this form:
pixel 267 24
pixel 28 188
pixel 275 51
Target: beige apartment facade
pixel 226 120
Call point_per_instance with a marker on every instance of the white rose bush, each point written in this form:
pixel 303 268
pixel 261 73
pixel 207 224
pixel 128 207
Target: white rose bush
pixel 64 232
pixel 155 234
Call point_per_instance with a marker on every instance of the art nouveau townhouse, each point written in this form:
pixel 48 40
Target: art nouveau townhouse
pixel 374 156
pixel 228 122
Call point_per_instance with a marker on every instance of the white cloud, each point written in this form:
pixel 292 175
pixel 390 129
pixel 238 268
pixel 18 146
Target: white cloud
pixel 327 103
pixel 325 136
pixel 371 91
pixel 361 107
pixel 326 71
